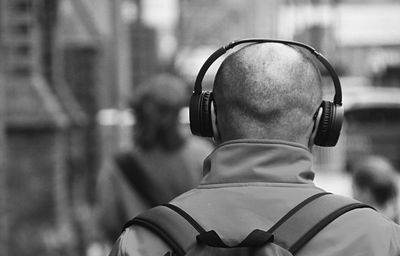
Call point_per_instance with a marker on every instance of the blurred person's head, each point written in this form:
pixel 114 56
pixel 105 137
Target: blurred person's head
pixel 156 105
pixel 267 91
pixel 374 183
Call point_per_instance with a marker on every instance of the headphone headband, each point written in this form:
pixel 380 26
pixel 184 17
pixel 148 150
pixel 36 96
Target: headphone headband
pixel 330 113
pixel 337 99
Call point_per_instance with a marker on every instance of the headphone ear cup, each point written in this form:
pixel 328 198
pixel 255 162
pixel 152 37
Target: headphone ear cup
pixel 200 114
pixel 328 129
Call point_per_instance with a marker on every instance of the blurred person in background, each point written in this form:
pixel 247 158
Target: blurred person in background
pixel 374 182
pixel 164 160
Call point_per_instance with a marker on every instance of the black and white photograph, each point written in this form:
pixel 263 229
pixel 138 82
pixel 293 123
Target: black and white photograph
pixel 199 127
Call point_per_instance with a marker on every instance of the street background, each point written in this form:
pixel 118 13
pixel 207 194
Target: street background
pixel 69 67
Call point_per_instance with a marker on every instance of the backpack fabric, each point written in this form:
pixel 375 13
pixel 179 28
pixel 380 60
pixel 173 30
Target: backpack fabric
pixel 287 236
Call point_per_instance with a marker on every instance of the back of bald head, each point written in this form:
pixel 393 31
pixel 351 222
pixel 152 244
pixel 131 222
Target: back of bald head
pixel 267 91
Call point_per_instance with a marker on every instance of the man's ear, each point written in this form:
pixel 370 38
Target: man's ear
pixel 317 119
pixel 217 136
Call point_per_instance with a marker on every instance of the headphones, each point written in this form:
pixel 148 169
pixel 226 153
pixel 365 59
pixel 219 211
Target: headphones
pixel 328 128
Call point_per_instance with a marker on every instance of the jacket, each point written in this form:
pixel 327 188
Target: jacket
pixel 260 181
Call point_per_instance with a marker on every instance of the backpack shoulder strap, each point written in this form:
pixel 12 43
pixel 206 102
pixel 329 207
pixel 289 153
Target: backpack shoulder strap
pixel 173 225
pixel 304 221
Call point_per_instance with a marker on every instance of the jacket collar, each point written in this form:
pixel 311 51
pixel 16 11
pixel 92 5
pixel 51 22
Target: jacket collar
pixel 272 161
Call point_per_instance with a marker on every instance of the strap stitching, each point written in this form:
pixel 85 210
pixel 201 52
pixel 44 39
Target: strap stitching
pixel 186 216
pixel 160 232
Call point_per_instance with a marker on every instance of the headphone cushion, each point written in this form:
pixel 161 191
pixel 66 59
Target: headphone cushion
pixel 324 124
pixel 200 114
pixel 206 122
pixel 329 126
pixel 194 116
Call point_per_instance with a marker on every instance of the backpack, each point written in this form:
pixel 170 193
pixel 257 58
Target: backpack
pixel 286 237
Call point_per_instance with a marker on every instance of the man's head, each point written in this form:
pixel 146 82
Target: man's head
pixel 267 91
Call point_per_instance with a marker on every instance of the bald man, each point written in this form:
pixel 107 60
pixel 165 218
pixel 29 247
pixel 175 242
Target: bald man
pixel 265 100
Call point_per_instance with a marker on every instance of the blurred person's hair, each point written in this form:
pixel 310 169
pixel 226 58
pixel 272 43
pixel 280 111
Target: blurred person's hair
pixel 156 104
pixel 377 175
